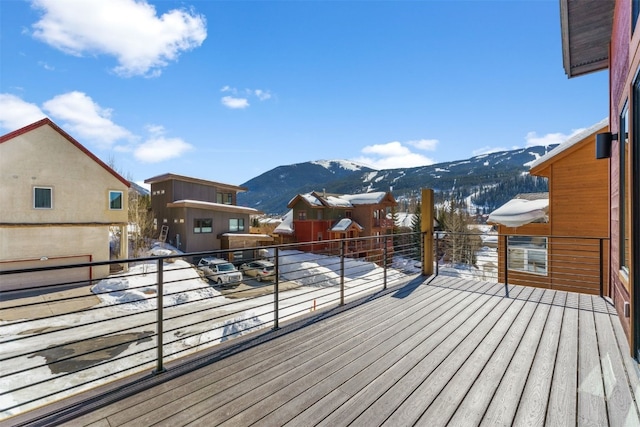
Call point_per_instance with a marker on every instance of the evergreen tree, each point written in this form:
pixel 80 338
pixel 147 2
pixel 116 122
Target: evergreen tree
pixel 416 228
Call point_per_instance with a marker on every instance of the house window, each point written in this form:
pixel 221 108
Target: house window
pixel 302 215
pixel 348 214
pixel 236 224
pixel 624 178
pixel 527 253
pixel 318 215
pixel 115 200
pixel 224 198
pixel 203 225
pixel 42 197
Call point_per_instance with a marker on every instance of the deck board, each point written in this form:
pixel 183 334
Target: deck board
pixel 535 397
pixel 356 376
pixel 561 408
pixel 592 406
pixel 447 352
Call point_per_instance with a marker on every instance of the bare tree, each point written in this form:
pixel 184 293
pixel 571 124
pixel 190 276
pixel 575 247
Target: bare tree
pixel 140 222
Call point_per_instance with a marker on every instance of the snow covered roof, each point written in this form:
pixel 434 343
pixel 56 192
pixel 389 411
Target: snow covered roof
pixel 316 199
pixel 337 201
pixel 365 199
pixel 518 212
pixel 344 224
pixel 286 226
pixel 575 139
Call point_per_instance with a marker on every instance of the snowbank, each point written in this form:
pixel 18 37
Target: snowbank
pixel 518 212
pixel 136 289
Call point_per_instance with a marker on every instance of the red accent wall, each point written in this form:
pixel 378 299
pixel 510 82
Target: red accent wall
pixel 619 91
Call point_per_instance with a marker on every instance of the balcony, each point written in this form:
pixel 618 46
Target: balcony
pixel 436 350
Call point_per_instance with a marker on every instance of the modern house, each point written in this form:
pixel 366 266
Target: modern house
pixel 58 205
pixel 318 217
pixel 602 35
pixel 198 215
pixel 551 235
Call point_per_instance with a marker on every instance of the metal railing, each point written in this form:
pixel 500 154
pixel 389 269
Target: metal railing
pixel 68 337
pixel 61 339
pixel 574 264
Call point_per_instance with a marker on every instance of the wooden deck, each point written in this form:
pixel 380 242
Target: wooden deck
pixel 440 352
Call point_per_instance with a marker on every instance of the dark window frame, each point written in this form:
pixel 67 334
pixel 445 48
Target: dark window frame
pixel 42 197
pixel 113 206
pixel 202 225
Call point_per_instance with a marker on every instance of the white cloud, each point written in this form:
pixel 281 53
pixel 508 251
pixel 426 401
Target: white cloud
pixel 159 148
pixel 392 155
pixel 86 119
pixel 262 95
pixel 129 30
pixel 424 144
pixel 240 98
pixel 234 103
pixel 46 66
pixel 16 113
pixel 533 139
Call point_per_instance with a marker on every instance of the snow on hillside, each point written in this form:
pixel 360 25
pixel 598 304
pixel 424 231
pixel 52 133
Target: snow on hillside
pixel 344 164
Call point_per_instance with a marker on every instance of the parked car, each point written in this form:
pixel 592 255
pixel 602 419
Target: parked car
pixel 219 270
pixel 261 270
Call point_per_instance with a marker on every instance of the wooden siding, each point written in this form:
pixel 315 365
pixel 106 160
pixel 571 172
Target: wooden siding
pixel 438 352
pixel 623 68
pixel 579 193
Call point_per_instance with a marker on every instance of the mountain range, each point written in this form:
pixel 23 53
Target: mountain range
pixel 486 181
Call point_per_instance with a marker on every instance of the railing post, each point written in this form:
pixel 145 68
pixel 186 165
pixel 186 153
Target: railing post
pixel 505 250
pixel 276 286
pixel 384 261
pixel 435 256
pixel 160 317
pixel 342 245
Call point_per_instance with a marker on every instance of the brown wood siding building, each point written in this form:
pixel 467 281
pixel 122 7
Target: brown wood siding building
pixel 201 215
pixel 578 228
pixel 315 215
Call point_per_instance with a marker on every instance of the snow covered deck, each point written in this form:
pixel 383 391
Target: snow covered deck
pixel 445 351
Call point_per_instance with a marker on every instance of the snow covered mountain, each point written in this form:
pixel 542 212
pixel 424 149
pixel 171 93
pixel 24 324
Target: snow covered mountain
pixel 493 178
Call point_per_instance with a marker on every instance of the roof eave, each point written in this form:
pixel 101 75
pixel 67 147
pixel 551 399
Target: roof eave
pixel 586 33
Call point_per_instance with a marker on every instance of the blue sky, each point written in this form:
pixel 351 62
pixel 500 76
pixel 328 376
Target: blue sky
pixel 228 90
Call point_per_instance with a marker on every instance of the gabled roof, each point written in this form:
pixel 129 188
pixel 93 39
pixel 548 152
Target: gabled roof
pixel 176 177
pixel 345 224
pixel 318 200
pixel 566 146
pixel 586 32
pixel 47 122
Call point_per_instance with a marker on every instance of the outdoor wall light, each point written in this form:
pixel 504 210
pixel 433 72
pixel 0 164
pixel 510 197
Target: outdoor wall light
pixel 44 258
pixel 603 144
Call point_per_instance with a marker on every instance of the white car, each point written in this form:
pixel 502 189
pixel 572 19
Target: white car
pixel 261 270
pixel 219 270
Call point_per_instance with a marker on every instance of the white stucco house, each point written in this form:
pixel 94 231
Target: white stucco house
pixel 58 203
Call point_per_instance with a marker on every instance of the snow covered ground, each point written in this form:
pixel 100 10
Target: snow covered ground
pixel 39 366
pixel 48 359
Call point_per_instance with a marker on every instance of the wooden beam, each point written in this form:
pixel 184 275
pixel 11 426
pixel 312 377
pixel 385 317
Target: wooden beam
pixel 426 227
